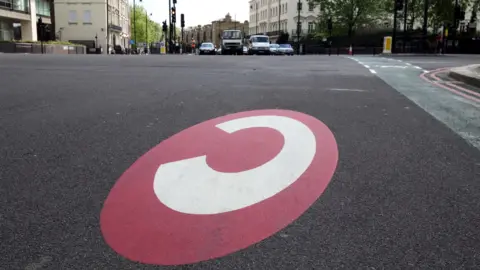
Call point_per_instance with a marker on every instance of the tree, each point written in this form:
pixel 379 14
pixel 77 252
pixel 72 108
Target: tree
pixel 283 38
pixel 347 15
pixel 154 29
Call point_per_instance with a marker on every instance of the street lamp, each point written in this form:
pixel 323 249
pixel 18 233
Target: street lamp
pixel 108 28
pixel 299 25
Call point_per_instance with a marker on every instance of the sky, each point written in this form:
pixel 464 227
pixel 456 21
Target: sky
pixel 197 12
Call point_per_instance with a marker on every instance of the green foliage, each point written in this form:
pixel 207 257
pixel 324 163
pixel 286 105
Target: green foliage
pixel 154 29
pixel 347 15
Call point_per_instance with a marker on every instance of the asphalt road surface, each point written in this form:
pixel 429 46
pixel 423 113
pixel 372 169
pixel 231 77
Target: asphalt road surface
pixel 405 192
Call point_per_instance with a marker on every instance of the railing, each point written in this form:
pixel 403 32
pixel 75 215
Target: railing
pixel 303 32
pixel 116 27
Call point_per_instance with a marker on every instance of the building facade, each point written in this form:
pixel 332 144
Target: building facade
pixel 269 17
pixel 18 19
pixel 85 22
pixel 213 32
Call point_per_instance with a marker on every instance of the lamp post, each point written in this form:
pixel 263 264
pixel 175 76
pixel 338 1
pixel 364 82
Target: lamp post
pixel 108 27
pixel 279 13
pixel 299 8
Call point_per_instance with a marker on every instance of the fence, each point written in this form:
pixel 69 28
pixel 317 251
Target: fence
pixel 35 48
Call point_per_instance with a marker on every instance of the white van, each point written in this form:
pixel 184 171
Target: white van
pixel 259 44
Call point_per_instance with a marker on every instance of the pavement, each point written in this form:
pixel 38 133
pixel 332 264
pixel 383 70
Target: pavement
pixel 404 193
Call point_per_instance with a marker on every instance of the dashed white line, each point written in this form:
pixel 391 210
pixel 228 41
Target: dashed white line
pixel 366 66
pixel 344 89
pixel 408 64
pixel 417 67
pixel 373 71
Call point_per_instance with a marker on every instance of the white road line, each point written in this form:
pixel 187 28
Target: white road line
pixel 373 71
pixel 408 64
pixel 399 60
pixel 417 67
pixel 366 66
pixel 343 89
pixel 425 70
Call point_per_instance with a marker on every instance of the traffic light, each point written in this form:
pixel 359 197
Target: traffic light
pixel 174 15
pixel 182 20
pixel 299 6
pixel 398 4
pixel 164 26
pixel 459 13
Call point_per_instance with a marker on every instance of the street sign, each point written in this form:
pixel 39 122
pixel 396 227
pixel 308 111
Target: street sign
pixel 218 187
pixel 132 42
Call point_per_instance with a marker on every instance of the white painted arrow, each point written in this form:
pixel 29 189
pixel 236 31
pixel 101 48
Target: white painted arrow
pixel 190 186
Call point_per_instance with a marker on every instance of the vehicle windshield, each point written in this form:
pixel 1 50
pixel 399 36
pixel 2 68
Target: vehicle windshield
pixel 285 46
pixel 232 35
pixel 260 39
pixel 274 46
pixel 207 45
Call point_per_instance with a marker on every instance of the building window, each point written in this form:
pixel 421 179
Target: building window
pixel 87 17
pixel 311 6
pixel 72 16
pixel 311 27
pixel 43 7
pixel 19 5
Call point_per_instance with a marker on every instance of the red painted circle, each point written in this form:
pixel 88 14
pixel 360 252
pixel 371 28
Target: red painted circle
pixel 138 226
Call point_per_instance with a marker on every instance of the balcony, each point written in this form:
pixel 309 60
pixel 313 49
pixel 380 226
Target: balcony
pixel 303 32
pixel 116 28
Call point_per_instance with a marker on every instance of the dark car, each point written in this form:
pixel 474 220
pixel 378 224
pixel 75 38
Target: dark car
pixel 207 48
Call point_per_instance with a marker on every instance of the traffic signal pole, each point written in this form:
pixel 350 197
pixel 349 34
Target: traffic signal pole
pixel 182 25
pixel 398 6
pixel 169 36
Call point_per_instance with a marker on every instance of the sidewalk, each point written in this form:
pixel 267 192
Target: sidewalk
pixel 467 74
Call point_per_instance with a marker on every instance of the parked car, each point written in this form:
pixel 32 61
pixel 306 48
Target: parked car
pixel 285 49
pixel 119 49
pixel 207 48
pixel 274 49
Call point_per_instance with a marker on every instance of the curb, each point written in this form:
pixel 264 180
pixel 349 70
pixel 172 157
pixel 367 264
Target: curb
pixel 466 74
pixel 413 55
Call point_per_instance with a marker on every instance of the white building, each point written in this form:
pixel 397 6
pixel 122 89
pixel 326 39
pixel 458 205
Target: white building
pixel 270 16
pixel 85 21
pixel 18 18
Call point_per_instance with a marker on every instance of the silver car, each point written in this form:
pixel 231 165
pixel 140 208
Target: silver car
pixel 274 49
pixel 285 49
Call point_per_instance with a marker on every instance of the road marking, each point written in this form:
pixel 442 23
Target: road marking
pixel 343 89
pixel 408 64
pixel 218 187
pixel 201 190
pixel 367 66
pixel 373 71
pixel 417 67
pixel 392 66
